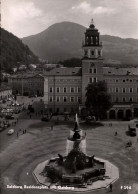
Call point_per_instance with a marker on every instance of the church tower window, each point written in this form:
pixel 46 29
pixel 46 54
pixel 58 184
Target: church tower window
pixel 95 79
pixel 94 71
pixel 91 40
pixel 86 52
pixel 96 40
pixel 92 52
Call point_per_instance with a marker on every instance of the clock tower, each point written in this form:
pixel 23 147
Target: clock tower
pixel 92 61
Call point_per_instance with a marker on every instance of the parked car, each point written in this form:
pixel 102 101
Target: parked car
pixel 30 96
pixel 45 119
pixel 9 99
pixel 30 108
pixel 15 104
pixel 9 117
pixel 11 131
pixel 132 131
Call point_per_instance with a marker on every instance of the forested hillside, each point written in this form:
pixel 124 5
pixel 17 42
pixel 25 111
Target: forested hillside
pixel 13 52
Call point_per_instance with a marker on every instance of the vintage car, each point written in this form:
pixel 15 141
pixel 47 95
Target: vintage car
pixel 11 131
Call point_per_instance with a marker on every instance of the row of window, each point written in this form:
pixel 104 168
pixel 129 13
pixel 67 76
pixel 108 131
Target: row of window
pixel 124 99
pixel 124 90
pixel 71 110
pixel 121 80
pixel 91 40
pixel 93 70
pixel 65 80
pixel 65 99
pixel 64 90
pixel 92 79
pixel 92 52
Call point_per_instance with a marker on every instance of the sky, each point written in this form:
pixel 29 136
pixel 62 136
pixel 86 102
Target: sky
pixel 112 17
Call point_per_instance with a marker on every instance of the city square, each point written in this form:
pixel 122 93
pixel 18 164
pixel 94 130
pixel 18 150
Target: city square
pixel 25 152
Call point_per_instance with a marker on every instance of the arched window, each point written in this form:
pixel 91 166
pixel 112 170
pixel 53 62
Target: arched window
pixel 92 52
pixel 92 65
pixel 85 52
pixel 96 40
pixel 91 40
pixel 87 40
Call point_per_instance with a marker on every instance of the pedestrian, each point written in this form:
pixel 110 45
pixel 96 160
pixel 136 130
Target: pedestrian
pixel 51 127
pixel 110 186
pixel 116 133
pixel 85 134
pixel 30 116
pixel 17 134
pixel 23 131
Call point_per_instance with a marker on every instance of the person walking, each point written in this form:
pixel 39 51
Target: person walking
pixel 111 187
pixel 51 127
pixel 17 134
pixel 116 133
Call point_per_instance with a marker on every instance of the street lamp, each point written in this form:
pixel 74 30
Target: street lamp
pixel 22 84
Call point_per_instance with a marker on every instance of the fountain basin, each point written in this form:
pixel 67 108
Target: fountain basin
pixel 111 175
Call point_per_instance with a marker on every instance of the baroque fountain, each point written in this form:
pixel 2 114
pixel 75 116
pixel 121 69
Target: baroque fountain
pixel 76 171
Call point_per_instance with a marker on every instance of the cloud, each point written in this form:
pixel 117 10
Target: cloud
pixel 25 10
pixel 86 7
pixel 104 10
pixel 27 17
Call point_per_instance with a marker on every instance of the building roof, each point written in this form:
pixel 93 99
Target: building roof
pixel 68 71
pixel 120 71
pixel 26 75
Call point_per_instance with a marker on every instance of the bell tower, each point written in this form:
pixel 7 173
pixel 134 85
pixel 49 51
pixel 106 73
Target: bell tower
pixel 92 61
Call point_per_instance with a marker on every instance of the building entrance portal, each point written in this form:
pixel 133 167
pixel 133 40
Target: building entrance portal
pixel 112 114
pixel 120 114
pixel 128 113
pixel 135 112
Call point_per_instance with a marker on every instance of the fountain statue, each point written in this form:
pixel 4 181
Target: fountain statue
pixel 76 136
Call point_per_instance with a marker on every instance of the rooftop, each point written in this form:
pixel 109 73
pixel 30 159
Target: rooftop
pixel 120 71
pixel 25 75
pixel 73 71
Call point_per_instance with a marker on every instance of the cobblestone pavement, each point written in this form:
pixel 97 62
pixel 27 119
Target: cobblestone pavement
pixel 19 159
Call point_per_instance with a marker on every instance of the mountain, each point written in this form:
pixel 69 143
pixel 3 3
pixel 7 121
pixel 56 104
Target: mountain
pixel 13 52
pixel 64 40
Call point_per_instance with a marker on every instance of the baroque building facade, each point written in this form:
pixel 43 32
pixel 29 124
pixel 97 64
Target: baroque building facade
pixel 64 88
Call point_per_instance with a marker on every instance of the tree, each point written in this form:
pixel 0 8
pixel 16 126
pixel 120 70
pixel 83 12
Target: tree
pixel 98 101
pixel 73 62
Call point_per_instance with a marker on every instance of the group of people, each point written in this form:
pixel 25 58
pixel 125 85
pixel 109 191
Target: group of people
pixel 23 132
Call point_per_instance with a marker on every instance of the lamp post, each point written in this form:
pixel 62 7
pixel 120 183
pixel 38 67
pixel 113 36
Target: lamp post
pixel 22 84
pixel 54 92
